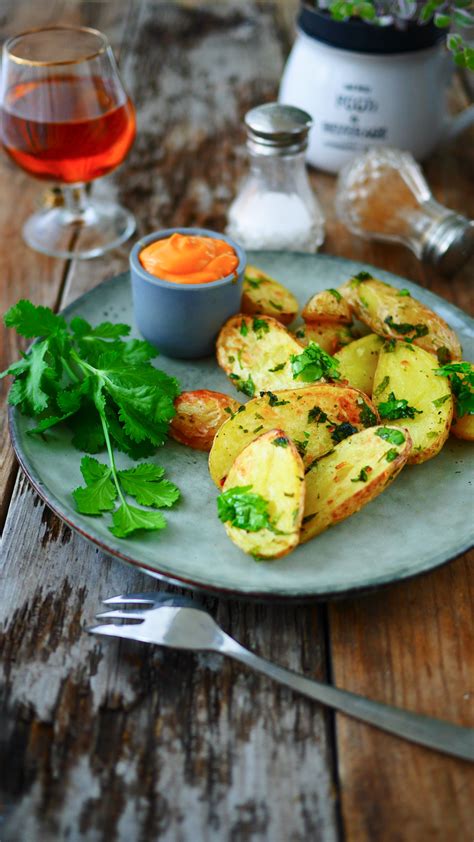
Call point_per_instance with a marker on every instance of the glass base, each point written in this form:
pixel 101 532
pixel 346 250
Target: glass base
pixel 84 234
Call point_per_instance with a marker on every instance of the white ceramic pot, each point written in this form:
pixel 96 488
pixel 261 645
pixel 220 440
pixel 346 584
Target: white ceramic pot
pixel 366 86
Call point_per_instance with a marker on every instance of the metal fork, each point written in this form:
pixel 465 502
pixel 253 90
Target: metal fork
pixel 181 623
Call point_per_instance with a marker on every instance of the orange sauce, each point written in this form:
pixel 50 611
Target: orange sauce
pixel 185 259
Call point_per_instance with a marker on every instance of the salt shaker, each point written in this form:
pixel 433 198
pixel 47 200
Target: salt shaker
pixel 276 207
pixel 383 195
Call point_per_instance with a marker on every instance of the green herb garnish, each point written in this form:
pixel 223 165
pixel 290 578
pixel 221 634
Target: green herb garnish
pixel 404 328
pixel 444 355
pixel 363 475
pixel 395 408
pixel 106 390
pixel 313 364
pixel 244 509
pixel 440 401
pixel 260 327
pixel 404 292
pixel 336 294
pixel 253 282
pixel 391 454
pixel 317 415
pixel 461 378
pixel 280 441
pixel 278 367
pixel 343 431
pixel 273 399
pixel 390 435
pixel 275 305
pixel 245 386
pixel 367 417
pixel 360 277
pixel 382 386
pixel 243 328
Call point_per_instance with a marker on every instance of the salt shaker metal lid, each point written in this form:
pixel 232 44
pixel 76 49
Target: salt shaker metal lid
pixel 275 129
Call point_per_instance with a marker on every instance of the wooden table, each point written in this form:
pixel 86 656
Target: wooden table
pixel 110 741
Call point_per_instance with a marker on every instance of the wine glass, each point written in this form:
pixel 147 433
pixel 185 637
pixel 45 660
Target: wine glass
pixel 66 118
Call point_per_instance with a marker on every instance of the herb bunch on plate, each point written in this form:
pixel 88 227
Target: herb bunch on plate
pixel 111 397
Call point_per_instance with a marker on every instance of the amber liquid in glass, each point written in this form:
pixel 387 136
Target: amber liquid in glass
pixel 66 129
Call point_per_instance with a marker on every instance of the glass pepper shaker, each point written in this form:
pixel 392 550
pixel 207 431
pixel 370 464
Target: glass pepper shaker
pixel 383 195
pixel 275 207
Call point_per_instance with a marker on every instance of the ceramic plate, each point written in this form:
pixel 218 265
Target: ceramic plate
pixel 422 520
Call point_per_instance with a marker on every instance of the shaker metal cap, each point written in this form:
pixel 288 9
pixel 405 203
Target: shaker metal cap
pixel 275 129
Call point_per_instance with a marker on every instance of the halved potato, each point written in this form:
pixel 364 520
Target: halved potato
pixel 351 475
pixel 329 335
pixel 262 294
pixel 394 313
pixel 314 418
pixel 271 468
pixel 255 352
pixel 199 415
pixel 358 361
pixel 327 306
pixel 408 374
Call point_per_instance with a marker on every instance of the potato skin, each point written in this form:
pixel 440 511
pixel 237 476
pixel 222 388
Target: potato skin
pixel 295 412
pixel 249 347
pixel 409 372
pixel 374 301
pixel 358 362
pixel 261 294
pixel 272 466
pixel 334 490
pixel 327 306
pixel 329 335
pixel 199 415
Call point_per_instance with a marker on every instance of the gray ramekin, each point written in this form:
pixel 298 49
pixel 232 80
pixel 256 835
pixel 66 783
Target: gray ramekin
pixel 183 320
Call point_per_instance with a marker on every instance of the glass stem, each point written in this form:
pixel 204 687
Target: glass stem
pixel 76 200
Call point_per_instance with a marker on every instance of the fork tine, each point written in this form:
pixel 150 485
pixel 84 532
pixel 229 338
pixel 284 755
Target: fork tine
pixel 132 599
pixel 133 614
pixel 113 630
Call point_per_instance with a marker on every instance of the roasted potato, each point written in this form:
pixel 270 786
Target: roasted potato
pixel 329 335
pixel 462 386
pixel 408 393
pixel 255 352
pixel 393 313
pixel 263 497
pixel 199 415
pixel 358 361
pixel 261 294
pixel 327 306
pixel 351 475
pixel 314 418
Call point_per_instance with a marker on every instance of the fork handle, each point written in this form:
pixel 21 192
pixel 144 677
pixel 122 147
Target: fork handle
pixel 434 733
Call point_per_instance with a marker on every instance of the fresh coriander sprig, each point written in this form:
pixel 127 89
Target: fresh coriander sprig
pixel 313 364
pixel 106 390
pixel 461 378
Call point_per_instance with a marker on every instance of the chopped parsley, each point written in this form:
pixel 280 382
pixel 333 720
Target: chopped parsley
pixel 275 305
pixel 382 386
pixel 404 292
pixel 389 345
pixel 366 416
pixel 391 454
pixel 444 355
pixel 243 509
pixel 440 401
pixel 313 364
pixel 253 282
pixel 243 328
pixel 280 441
pixel 260 327
pixel 360 277
pixel 317 415
pixel 300 333
pixel 390 435
pixel 307 518
pixel 363 474
pixel 301 447
pixel 395 408
pixel 337 295
pixel 461 378
pixel 257 429
pixel 343 431
pixel 273 399
pixel 404 328
pixel 278 367
pixel 245 386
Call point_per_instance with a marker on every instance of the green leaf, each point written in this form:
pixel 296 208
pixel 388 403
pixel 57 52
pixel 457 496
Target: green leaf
pixel 391 454
pixel 99 493
pixel 69 400
pixel 313 364
pixel 27 391
pixel 390 435
pixel 363 474
pixel 46 424
pixel 243 509
pixel 137 351
pixel 129 519
pixel 335 293
pixel 404 328
pixel 442 21
pixel 245 386
pixel 33 321
pixel 145 483
pixel 395 408
pixel 88 434
pixel 343 431
pixel 260 327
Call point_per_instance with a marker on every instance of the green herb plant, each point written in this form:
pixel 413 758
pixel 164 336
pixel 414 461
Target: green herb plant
pixel 108 393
